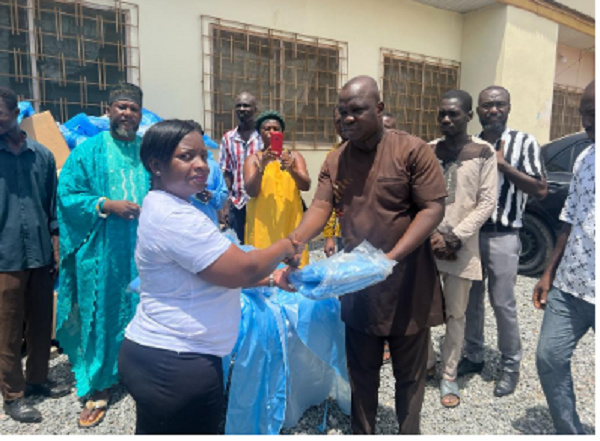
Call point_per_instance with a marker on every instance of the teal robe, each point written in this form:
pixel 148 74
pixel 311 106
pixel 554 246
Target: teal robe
pixel 97 257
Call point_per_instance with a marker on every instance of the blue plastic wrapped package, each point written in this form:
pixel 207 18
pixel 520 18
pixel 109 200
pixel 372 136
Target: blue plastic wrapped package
pixel 25 110
pixel 73 139
pixel 82 125
pixel 316 354
pixel 148 120
pixel 101 122
pixel 208 142
pixel 258 388
pixel 343 273
pixel 269 391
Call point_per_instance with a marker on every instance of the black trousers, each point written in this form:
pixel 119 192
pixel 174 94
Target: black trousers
pixel 364 354
pixel 237 221
pixel 174 393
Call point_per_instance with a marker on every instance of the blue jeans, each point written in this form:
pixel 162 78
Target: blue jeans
pixel 566 319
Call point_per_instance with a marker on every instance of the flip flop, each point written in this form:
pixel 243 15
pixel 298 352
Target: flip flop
pixel 448 388
pixel 100 406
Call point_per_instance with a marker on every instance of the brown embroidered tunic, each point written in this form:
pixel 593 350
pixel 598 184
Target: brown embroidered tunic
pixel 376 195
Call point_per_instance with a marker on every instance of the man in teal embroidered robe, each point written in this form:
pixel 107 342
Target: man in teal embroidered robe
pixel 100 191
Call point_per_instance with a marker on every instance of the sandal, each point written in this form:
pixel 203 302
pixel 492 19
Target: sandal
pixel 447 390
pixel 97 408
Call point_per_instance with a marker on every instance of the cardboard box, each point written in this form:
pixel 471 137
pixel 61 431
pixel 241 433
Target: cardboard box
pixel 42 127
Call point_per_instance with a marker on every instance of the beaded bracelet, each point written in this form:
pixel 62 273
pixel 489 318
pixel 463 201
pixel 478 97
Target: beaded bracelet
pixel 100 205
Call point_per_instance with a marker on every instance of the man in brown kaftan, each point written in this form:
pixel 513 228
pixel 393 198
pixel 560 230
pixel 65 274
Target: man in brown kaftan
pixel 386 187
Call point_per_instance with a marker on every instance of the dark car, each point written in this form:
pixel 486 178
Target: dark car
pixel 540 220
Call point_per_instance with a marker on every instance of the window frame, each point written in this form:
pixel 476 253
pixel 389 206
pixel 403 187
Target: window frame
pixel 564 110
pixel 421 110
pixel 322 140
pixel 128 52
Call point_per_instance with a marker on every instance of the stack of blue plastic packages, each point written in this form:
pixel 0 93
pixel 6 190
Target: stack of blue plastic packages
pixel 82 126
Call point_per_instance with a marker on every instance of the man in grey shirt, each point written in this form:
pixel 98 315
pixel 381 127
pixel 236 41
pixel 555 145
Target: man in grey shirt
pixel 28 255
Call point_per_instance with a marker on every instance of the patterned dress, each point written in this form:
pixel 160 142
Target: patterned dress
pixel 96 257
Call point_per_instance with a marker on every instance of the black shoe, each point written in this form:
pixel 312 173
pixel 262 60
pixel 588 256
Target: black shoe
pixel 507 383
pixel 22 412
pixel 49 390
pixel 466 366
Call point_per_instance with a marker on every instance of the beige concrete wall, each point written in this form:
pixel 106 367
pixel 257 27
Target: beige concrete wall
pixel 482 52
pixel 170 42
pixel 528 70
pixel 574 67
pixel 170 38
pixel 515 49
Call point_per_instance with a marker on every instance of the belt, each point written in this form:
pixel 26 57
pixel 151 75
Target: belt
pixel 497 228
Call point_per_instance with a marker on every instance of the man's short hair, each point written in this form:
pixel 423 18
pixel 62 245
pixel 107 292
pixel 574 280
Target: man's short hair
pixel 494 87
pixel 465 99
pixel 9 98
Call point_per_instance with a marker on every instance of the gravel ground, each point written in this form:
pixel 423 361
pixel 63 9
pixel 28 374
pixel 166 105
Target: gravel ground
pixel 524 412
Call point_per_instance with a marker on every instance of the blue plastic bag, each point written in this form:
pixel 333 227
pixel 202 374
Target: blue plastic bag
pixel 25 110
pixel 73 139
pixel 343 273
pixel 82 126
pixel 148 120
pixel 208 142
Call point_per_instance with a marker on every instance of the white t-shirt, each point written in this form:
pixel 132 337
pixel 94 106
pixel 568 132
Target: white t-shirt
pixel 179 311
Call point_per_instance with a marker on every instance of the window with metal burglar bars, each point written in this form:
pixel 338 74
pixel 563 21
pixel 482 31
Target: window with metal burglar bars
pixel 63 55
pixel 411 88
pixel 565 111
pixel 299 76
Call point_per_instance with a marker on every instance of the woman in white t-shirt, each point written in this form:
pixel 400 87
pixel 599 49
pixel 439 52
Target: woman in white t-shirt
pixel 190 275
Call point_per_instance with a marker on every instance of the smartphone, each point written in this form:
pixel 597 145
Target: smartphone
pixel 277 143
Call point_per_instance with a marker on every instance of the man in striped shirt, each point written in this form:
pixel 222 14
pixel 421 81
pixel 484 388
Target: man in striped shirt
pixel 521 174
pixel 236 145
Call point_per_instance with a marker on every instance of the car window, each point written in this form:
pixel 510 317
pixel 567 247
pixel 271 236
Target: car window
pixel 576 152
pixel 562 162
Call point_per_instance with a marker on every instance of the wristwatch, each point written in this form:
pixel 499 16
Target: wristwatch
pixel 271 281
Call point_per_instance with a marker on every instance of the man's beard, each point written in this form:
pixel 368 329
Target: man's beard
pixel 122 132
pixel 496 127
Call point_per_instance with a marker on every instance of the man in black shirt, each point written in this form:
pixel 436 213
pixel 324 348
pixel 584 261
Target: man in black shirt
pixel 28 260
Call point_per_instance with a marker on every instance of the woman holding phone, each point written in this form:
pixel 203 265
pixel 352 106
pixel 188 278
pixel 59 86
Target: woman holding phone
pixel 273 178
pixel 190 278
